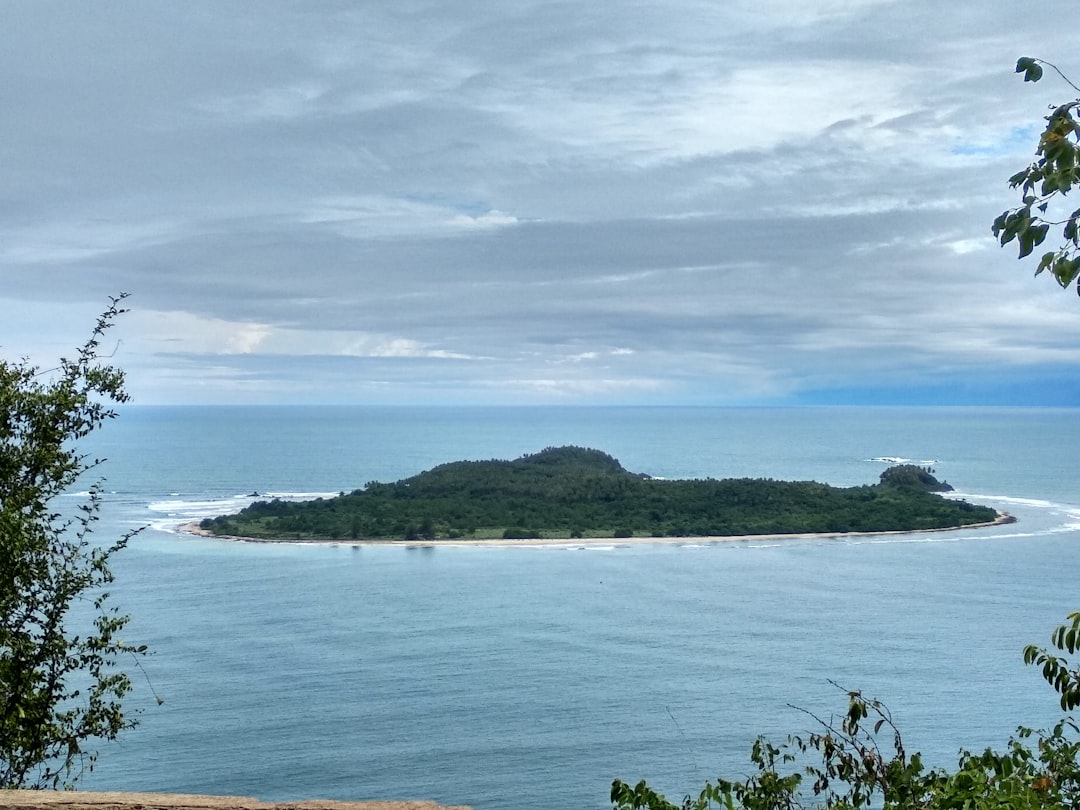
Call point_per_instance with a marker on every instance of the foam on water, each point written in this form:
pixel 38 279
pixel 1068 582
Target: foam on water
pixel 1038 503
pixel 903 460
pixel 175 511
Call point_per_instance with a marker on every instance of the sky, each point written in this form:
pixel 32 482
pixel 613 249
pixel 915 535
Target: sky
pixel 721 202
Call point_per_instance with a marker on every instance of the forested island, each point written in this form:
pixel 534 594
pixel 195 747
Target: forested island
pixel 575 492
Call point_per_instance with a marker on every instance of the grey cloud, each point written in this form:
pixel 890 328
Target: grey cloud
pixel 617 200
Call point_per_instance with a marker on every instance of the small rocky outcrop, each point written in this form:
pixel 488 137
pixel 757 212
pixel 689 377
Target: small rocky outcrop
pixel 914 477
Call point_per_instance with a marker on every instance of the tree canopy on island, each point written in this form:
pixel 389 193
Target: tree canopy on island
pixel 580 492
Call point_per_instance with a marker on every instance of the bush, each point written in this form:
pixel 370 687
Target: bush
pixel 517 533
pixel 862 762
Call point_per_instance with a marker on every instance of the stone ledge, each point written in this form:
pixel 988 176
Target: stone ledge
pixel 90 800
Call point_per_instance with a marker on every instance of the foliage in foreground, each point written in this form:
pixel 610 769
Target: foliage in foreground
pixel 578 492
pixel 1044 186
pixel 60 687
pixel 861 762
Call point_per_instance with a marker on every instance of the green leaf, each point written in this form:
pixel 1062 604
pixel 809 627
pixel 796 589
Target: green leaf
pixel 1027 241
pixel 1043 264
pixel 1070 230
pixel 1030 68
pixel 1067 159
pixel 1057 638
pixel 1065 271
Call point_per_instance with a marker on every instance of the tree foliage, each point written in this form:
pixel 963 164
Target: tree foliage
pixel 60 686
pixel 1044 186
pixel 579 492
pixel 860 761
pixel 913 476
pixel 1058 671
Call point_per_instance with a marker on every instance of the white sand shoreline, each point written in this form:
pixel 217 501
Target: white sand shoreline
pixel 193 528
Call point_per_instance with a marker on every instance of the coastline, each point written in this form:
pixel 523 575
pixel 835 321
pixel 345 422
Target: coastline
pixel 193 528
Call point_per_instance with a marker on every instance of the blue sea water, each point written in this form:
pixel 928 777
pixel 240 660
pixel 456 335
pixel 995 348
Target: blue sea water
pixel 531 677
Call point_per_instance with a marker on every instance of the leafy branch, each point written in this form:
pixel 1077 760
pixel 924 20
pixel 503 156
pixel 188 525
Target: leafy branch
pixel 860 761
pixel 61 687
pixel 1058 671
pixel 1044 184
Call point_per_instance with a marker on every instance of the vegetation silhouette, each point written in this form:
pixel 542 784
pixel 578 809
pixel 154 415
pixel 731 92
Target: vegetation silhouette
pixel 61 685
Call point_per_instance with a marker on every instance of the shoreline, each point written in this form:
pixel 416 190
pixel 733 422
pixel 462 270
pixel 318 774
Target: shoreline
pixel 192 528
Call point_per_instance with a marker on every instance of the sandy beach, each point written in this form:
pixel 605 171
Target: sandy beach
pixel 193 528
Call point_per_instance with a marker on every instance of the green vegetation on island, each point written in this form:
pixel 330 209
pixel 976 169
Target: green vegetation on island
pixel 570 492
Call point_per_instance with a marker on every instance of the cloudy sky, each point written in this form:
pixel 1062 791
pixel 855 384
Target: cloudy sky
pixel 523 201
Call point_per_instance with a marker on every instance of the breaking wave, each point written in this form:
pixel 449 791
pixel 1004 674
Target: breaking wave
pixel 175 511
pixel 902 460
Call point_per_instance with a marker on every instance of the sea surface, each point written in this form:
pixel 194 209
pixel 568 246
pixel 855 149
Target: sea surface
pixel 528 678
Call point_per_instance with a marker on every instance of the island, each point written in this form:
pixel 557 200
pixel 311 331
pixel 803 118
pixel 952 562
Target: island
pixel 576 492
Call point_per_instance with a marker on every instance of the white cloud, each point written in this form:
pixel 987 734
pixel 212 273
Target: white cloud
pixel 269 103
pixel 377 217
pixel 187 333
pixel 618 200
pixel 571 389
pixel 72 241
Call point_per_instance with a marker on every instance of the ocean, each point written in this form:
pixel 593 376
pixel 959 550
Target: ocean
pixel 528 678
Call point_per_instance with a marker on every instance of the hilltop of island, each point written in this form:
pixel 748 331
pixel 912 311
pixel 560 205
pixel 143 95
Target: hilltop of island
pixel 576 492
